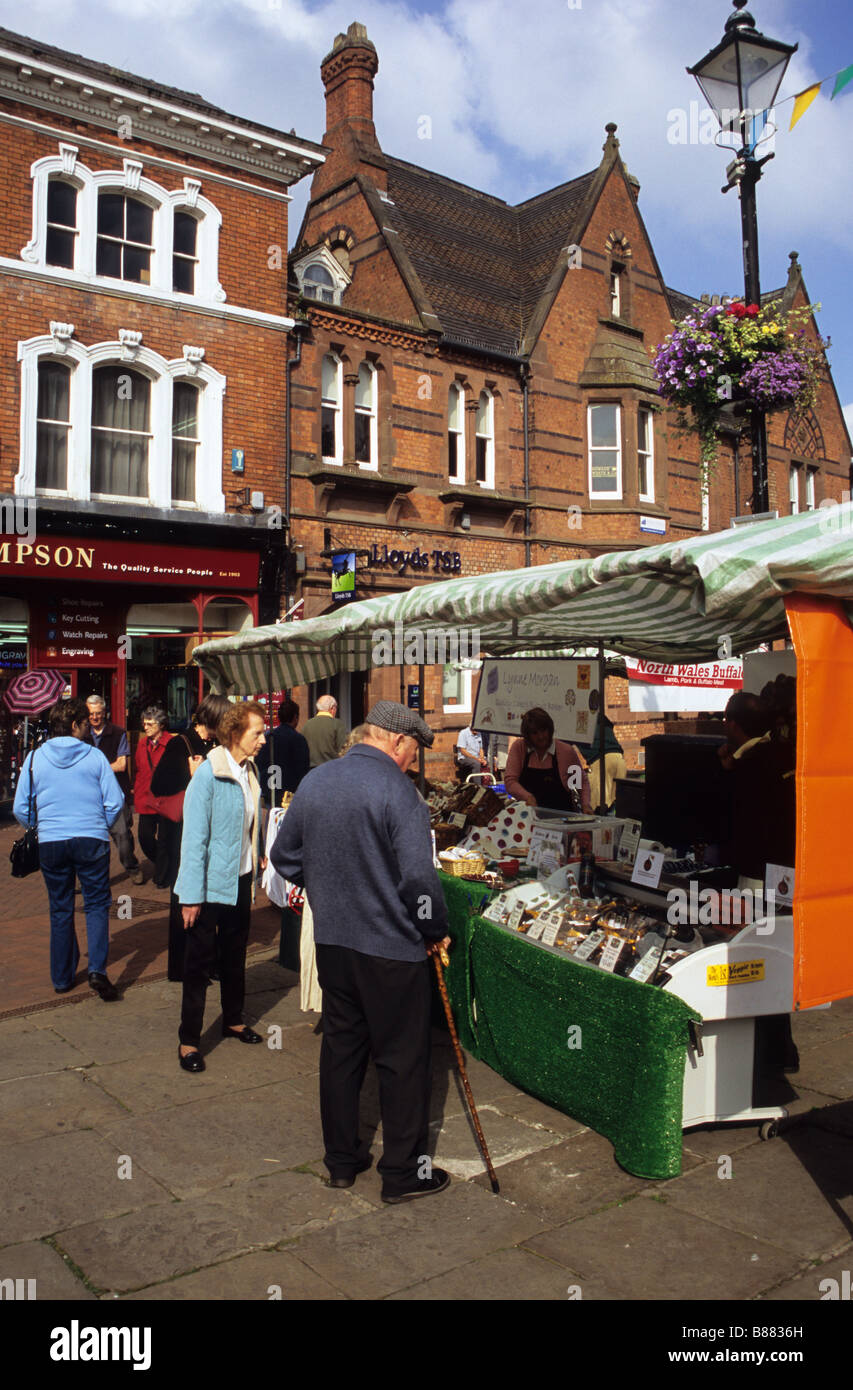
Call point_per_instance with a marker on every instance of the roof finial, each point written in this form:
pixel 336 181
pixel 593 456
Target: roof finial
pixel 611 143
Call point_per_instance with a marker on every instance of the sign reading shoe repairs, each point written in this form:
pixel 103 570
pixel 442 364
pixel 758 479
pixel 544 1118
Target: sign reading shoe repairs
pixel 658 686
pixel 126 562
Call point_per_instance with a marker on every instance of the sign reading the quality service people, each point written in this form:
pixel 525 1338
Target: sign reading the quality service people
pixel 127 562
pixel 567 690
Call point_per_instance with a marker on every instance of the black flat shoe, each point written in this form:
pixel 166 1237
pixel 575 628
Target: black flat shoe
pixel 245 1035
pixel 102 986
pixel 193 1061
pixel 63 989
pixel 342 1180
pixel 438 1181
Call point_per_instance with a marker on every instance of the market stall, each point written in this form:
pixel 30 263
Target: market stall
pixel 681 602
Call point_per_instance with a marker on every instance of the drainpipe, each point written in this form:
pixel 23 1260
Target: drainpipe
pixel 524 376
pixel 292 363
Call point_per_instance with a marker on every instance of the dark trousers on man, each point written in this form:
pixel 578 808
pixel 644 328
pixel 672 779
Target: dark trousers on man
pixel 121 833
pixel 373 1007
pixel 226 927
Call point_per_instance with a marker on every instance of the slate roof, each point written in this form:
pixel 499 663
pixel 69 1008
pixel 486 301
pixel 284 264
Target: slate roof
pixel 484 265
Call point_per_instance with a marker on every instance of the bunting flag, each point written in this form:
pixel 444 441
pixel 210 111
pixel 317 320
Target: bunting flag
pixel 758 124
pixel 841 81
pixel 802 102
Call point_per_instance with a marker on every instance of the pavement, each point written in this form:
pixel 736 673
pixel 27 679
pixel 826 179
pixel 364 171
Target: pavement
pixel 126 1178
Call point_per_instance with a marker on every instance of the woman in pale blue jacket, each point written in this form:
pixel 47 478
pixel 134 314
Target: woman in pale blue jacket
pixel 75 799
pixel 220 851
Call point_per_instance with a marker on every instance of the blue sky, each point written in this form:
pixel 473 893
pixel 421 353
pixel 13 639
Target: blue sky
pixel 518 98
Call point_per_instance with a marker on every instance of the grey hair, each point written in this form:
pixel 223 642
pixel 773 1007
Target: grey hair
pixel 326 703
pixel 96 700
pixel 155 712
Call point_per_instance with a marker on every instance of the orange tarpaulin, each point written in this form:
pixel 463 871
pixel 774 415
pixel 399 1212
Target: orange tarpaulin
pixel 823 899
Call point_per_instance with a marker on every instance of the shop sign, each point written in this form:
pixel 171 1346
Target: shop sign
pixel 343 577
pixel 13 657
pixel 127 562
pixel 73 631
pixel 739 972
pixel 657 686
pixel 417 560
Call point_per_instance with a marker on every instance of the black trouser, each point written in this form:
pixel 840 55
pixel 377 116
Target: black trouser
pixel 225 926
pixel 168 862
pixel 121 832
pixel 154 846
pixel 379 1008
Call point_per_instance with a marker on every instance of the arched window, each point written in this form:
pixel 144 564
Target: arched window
pixel 121 431
pixel 53 425
pixel 485 441
pixel 330 424
pixel 125 238
pixel 61 223
pixel 317 283
pixel 185 440
pixel 456 434
pixel 366 453
pixel 184 252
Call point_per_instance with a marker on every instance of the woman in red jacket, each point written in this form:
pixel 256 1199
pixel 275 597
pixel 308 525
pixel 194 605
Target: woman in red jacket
pixel 149 751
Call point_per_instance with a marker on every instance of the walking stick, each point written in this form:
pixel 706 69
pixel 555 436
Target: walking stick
pixel 439 958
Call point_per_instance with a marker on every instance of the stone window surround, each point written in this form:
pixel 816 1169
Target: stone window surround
pixel 130 180
pixel 381 443
pixel 322 256
pixel 59 346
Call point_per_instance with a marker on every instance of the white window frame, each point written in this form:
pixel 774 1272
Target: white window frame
pixel 466 704
pixel 459 475
pixel 323 256
pixel 794 488
pixel 646 454
pixel 489 480
pixel 131 181
pixel 615 495
pixel 615 293
pixel 326 403
pixel 60 346
pixel 373 415
pixel 811 489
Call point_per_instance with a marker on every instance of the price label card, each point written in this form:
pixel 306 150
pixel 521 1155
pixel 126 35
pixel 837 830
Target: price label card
pixel 497 909
pixel 478 796
pixel 553 922
pixel 535 930
pixel 513 921
pixel 629 841
pixel 586 948
pixel 779 881
pixel 611 953
pixel 457 818
pixel 645 968
pixel 648 865
pixel 547 840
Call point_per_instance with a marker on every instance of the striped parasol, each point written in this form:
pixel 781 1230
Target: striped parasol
pixel 34 691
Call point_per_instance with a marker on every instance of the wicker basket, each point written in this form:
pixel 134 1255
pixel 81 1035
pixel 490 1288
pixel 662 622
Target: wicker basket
pixel 458 867
pixel 447 835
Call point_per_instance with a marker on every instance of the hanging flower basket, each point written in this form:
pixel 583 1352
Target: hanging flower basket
pixel 736 352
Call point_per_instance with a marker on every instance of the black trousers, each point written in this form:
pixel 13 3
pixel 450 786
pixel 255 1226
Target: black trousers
pixel 226 927
pixel 376 1008
pixel 155 842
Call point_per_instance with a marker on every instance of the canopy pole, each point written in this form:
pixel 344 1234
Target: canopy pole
pixel 421 750
pixel 269 689
pixel 601 809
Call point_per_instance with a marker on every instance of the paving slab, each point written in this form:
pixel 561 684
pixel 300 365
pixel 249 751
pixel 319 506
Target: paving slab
pixel 795 1192
pixel 403 1245
pixel 66 1180
pixel 301 1044
pixel 646 1248
pixel 154 1080
pixel 827 1068
pixel 161 1242
pixel 273 1276
pixel 127 1031
pixel 811 1027
pixel 54 1279
pixel 263 973
pixel 55 1103
pixel 454 1141
pixel 815 1283
pixel 277 1117
pixel 833 1117
pixel 535 1112
pixel 514 1276
pixel 32 1051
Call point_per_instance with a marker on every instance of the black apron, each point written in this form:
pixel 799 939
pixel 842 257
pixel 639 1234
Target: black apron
pixel 544 783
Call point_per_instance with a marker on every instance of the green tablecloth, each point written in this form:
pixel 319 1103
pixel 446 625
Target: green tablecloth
pixel 605 1050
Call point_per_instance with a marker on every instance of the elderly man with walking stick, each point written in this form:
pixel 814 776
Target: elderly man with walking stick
pixel 357 838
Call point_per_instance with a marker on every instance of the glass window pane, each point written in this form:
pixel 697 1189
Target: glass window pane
pixel 364 388
pixel 362 439
pixel 454 411
pixel 330 380
pixel 329 431
pixel 137 265
pixel 602 426
pixel 120 399
pixel 452 686
pixel 482 445
pixel 185 410
pixel 318 275
pixel 54 383
pixel 119 464
pixel 183 470
pixel 643 430
pixel 605 476
pixel 52 456
pixel 139 221
pixel 453 455
pixel 183 275
pixel 484 415
pixel 185 233
pixel 109 258
pixel 62 203
pixel 60 248
pixel 111 214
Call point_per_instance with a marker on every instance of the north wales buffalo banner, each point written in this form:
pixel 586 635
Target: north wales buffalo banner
pixel 661 686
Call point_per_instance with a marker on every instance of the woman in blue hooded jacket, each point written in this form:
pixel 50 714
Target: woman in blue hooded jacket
pixel 75 799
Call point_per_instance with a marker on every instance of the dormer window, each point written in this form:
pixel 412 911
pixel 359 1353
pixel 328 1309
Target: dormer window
pixel 322 277
pixel 318 284
pixel 61 223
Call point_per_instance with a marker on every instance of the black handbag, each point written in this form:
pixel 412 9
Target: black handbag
pixel 24 854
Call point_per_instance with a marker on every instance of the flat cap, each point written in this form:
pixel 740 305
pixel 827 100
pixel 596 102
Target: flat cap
pixel 387 714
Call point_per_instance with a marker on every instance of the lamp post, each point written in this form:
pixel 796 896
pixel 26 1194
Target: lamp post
pixel 740 79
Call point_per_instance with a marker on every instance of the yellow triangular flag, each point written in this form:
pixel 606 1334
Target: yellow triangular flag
pixel 803 102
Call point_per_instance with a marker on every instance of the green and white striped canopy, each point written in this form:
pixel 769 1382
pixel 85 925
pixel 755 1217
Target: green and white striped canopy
pixel 683 601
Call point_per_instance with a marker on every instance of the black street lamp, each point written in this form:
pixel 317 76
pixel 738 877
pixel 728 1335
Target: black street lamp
pixel 740 79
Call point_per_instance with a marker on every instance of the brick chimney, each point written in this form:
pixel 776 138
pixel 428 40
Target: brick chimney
pixel 348 73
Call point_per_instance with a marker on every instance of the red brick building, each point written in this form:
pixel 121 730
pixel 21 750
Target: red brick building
pixel 143 347
pixel 473 389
